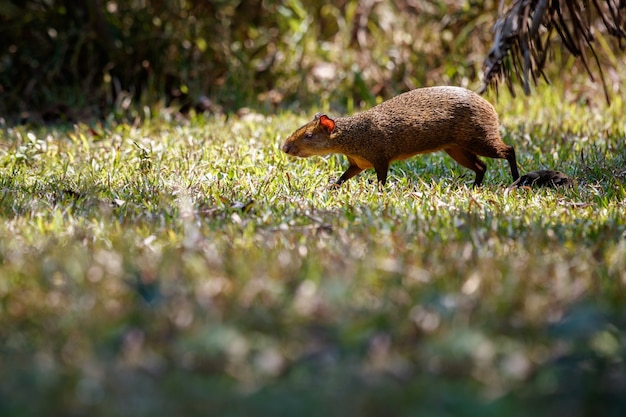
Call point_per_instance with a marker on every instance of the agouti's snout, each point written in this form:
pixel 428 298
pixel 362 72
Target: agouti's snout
pixel 450 119
pixel 288 148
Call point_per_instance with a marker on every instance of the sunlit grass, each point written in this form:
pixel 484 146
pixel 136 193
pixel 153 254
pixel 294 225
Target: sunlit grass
pixel 194 259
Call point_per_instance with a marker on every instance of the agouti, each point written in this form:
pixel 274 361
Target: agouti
pixel 424 120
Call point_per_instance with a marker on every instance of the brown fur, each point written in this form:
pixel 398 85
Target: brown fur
pixel 452 119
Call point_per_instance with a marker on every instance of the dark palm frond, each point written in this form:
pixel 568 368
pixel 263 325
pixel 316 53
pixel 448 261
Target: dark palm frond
pixel 543 178
pixel 523 33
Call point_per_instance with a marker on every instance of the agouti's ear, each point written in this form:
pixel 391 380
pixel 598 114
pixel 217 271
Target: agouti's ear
pixel 327 123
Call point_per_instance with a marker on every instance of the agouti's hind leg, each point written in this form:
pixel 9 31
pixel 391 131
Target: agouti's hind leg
pixel 510 156
pixel 469 160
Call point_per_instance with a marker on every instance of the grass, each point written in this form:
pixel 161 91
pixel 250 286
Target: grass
pixel 189 267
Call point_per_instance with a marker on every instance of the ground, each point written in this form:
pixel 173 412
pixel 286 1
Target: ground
pixel 186 265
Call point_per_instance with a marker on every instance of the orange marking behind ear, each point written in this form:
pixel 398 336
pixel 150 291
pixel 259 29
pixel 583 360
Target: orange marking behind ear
pixel 327 123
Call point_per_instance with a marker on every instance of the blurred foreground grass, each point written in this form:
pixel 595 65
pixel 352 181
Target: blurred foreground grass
pixel 187 267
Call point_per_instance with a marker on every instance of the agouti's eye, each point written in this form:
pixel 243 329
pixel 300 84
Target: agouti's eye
pixel 308 135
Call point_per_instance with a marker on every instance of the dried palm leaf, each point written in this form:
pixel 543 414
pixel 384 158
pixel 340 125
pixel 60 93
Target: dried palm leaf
pixel 543 178
pixel 524 30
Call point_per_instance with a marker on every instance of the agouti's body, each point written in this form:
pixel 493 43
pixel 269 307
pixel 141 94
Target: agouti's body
pixel 452 119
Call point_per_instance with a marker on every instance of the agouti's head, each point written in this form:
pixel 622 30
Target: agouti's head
pixel 314 138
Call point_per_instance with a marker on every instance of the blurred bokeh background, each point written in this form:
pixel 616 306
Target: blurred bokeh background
pixel 66 60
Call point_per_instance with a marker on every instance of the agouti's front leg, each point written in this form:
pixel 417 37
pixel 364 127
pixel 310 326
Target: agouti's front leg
pixel 381 167
pixel 352 170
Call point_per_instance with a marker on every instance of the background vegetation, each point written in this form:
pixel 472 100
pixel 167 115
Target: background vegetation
pixel 154 262
pixel 191 268
pixel 62 60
